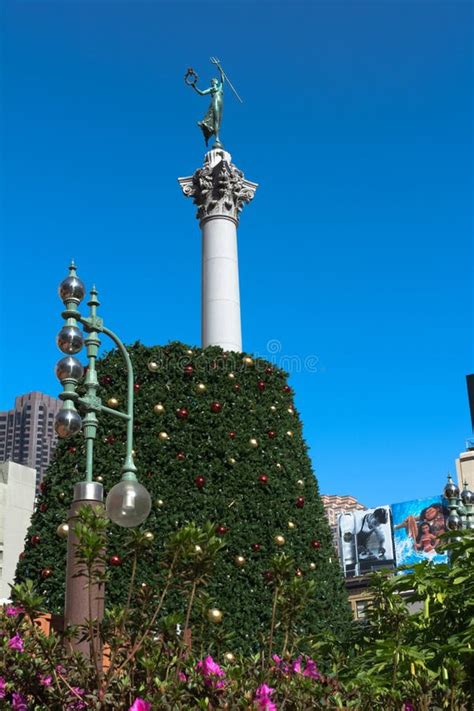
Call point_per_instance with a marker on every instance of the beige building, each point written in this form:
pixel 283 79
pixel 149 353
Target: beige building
pixel 27 434
pixel 17 498
pixel 465 467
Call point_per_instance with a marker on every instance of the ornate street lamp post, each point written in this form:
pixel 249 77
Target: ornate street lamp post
pixel 128 503
pixel 460 505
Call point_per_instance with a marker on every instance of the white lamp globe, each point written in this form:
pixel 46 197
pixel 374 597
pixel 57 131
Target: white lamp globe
pixel 128 503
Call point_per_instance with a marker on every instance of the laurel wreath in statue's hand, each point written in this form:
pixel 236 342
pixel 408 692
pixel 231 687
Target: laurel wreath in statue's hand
pixel 191 78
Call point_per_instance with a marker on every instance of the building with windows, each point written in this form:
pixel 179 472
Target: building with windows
pixel 17 499
pixel 27 434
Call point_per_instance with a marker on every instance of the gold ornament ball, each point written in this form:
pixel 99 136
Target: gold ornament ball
pixel 240 561
pixel 312 566
pixel 273 408
pixel 153 366
pixel 197 549
pixel 279 540
pixel 253 442
pixel 100 479
pixel 289 433
pixel 300 482
pixel 214 615
pixel 278 465
pixel 159 408
pixel 229 657
pixel 201 387
pixel 63 530
pixel 148 536
pixel 112 402
pixel 163 436
pixel 231 376
pixel 247 360
pixel 231 461
pixel 134 452
pixel 291 411
pixel 189 351
pixel 160 503
pixel 291 525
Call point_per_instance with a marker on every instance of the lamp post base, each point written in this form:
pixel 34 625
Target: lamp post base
pixel 82 604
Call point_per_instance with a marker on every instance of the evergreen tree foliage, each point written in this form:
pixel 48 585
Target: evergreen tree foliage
pixel 230 420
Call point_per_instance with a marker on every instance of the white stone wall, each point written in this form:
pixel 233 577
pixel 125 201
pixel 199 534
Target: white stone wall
pixel 17 498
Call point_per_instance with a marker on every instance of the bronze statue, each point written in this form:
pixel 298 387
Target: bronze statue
pixel 211 123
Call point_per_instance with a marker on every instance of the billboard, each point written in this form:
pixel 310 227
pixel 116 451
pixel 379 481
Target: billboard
pixel 417 526
pixel 366 540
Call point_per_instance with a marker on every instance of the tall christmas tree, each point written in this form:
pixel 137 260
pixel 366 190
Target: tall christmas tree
pixel 217 438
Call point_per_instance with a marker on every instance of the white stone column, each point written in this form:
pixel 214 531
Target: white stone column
pixel 219 190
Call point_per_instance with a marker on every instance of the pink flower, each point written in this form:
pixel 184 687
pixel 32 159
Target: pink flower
pixel 140 705
pixel 16 642
pixel 19 702
pixel 211 672
pixel 13 611
pixel 45 680
pixel 312 670
pixel 408 706
pixel 3 685
pixel 262 697
pixel 296 666
pixel 77 704
pixel 182 676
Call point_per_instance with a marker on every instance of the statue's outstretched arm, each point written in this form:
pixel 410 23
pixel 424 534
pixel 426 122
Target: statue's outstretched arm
pixel 202 92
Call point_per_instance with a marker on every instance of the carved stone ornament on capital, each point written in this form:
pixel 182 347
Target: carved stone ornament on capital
pixel 219 189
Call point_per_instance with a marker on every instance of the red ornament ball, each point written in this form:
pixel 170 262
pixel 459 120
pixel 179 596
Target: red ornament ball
pixel 216 407
pixel 43 507
pixel 214 365
pixel 35 539
pixel 46 573
pixel 261 386
pixel 237 388
pixel 286 389
pixel 232 435
pixel 268 370
pixel 316 545
pixel 136 387
pixel 106 380
pixel 263 479
pixel 22 555
pixel 268 575
pixel 110 439
pixel 256 547
pixel 221 530
pixel 200 481
pixel 180 456
pixel 182 413
pixel 188 370
pixel 115 561
pixel 43 487
pixel 300 502
pixel 72 450
pixel 298 573
pixel 272 434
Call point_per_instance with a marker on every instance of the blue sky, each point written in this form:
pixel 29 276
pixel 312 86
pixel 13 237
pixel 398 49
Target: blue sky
pixel 356 254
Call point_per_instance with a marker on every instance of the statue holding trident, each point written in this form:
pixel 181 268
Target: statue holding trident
pixel 211 123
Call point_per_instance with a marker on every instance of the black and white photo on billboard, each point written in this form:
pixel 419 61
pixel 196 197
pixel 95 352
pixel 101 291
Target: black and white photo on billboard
pixel 366 540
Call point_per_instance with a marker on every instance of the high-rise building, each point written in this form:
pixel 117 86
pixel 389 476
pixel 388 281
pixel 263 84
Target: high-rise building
pixel 27 434
pixel 17 498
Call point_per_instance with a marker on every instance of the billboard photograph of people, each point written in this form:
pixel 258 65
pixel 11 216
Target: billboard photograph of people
pixel 366 540
pixel 418 526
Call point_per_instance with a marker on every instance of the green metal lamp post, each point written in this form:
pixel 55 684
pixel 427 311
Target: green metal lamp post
pixel 460 505
pixel 128 503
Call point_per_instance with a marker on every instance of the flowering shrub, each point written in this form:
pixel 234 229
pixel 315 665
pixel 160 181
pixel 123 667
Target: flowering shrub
pixel 396 661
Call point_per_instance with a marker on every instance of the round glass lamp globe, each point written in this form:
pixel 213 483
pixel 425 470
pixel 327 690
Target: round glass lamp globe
pixel 128 504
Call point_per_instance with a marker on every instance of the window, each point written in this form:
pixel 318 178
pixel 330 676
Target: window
pixel 361 609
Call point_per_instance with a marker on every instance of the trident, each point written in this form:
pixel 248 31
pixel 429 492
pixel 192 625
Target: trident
pixel 214 60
